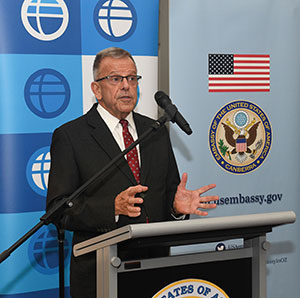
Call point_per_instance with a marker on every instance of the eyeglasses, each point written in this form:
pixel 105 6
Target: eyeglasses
pixel 115 79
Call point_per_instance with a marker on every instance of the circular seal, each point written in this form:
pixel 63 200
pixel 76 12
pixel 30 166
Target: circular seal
pixel 191 288
pixel 240 137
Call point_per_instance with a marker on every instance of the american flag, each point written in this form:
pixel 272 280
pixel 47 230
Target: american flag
pixel 238 73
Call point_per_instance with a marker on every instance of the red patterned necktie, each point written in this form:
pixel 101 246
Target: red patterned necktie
pixel 132 155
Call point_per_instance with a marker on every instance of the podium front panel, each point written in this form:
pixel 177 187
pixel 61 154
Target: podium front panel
pixel 233 276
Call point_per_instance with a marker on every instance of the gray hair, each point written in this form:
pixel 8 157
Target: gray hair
pixel 113 52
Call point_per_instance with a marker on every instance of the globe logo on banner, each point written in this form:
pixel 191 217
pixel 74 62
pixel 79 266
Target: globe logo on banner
pixel 45 19
pixel 37 171
pixel 47 93
pixel 115 20
pixel 43 250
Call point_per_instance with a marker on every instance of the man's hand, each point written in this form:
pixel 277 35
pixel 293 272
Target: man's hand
pixel 190 201
pixel 125 200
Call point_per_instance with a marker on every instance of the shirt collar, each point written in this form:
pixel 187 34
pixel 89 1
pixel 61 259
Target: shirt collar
pixel 112 121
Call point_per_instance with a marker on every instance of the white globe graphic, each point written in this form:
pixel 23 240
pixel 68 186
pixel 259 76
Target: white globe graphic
pixel 40 170
pixel 115 19
pixel 37 171
pixel 45 19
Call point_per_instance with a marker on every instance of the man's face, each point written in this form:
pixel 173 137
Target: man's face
pixel 118 99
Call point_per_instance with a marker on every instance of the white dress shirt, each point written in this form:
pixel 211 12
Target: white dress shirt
pixel 116 128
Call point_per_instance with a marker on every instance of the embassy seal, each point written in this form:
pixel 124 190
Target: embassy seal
pixel 191 288
pixel 240 137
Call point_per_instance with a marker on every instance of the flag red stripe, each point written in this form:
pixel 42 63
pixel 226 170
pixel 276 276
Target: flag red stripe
pixel 239 90
pixel 252 56
pixel 237 84
pixel 239 79
pixel 251 67
pixel 251 61
pixel 251 73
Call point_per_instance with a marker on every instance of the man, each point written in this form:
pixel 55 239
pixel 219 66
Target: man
pixel 144 188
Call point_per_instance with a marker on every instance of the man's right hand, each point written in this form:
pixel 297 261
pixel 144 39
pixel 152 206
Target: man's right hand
pixel 124 201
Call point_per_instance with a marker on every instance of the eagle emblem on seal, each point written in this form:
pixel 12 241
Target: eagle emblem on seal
pixel 240 134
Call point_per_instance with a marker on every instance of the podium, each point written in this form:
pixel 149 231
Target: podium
pixel 240 272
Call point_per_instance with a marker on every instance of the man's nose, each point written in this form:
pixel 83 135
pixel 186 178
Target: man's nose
pixel 125 83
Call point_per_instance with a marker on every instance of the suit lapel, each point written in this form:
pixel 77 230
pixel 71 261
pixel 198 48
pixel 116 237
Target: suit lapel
pixel 106 141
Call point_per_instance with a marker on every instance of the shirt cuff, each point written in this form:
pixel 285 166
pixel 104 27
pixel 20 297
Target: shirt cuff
pixel 177 216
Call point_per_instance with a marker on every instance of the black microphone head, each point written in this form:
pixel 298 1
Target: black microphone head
pixel 171 111
pixel 162 99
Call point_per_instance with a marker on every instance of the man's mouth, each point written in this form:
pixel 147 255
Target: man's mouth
pixel 125 97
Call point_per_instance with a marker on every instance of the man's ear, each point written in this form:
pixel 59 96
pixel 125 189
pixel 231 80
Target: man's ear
pixel 96 90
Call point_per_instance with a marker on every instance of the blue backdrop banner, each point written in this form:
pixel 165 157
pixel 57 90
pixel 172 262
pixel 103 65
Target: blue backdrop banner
pixel 47 49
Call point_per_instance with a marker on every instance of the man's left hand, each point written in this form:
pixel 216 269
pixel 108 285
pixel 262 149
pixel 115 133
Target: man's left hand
pixel 190 201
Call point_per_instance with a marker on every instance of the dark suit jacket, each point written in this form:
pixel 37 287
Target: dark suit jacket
pixel 79 150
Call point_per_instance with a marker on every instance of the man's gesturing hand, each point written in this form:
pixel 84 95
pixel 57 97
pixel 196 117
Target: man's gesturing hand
pixel 125 200
pixel 191 201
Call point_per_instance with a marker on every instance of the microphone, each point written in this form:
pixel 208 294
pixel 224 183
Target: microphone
pixel 164 101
